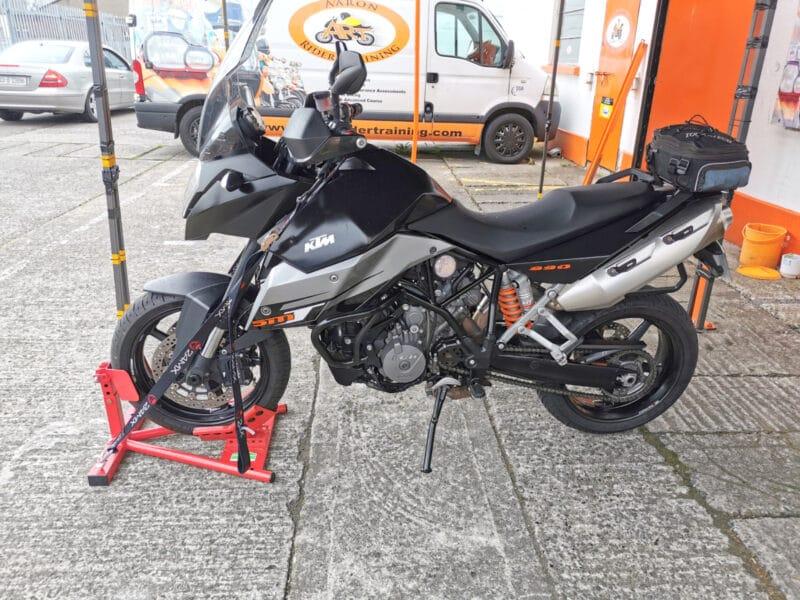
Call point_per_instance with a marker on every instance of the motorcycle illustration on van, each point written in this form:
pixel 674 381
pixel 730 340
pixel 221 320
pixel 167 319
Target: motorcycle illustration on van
pixel 349 28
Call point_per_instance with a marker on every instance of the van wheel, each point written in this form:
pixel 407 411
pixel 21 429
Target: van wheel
pixel 189 129
pixel 11 115
pixel 508 138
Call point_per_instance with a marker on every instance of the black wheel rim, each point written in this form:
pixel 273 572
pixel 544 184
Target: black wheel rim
pixel 509 140
pixel 661 344
pixel 142 374
pixel 194 130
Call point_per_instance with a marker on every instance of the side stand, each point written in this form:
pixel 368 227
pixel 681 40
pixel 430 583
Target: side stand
pixel 117 386
pixel 701 298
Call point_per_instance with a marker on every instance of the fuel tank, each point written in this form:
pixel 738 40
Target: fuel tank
pixel 374 194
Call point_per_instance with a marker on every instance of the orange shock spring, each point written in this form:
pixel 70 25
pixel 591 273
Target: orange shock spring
pixel 510 305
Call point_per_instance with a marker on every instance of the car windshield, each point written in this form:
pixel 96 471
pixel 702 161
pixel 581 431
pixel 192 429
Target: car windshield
pixel 36 53
pixel 235 84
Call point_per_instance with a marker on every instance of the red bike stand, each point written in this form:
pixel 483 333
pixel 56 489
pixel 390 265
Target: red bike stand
pixel 117 386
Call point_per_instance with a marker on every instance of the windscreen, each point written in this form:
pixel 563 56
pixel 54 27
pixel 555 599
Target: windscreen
pixel 235 84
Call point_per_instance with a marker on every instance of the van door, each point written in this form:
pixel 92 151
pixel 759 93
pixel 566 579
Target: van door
pixel 465 70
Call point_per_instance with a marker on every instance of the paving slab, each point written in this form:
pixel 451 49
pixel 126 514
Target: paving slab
pixel 734 404
pixel 372 525
pixel 743 474
pixel 775 543
pixel 614 520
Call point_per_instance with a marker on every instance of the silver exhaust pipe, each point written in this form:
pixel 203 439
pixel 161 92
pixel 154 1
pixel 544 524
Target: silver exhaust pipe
pixel 692 229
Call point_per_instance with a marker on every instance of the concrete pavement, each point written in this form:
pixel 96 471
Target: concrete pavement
pixel 703 503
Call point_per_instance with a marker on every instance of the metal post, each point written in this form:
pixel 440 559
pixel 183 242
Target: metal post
pixel 107 156
pixel 225 33
pixel 548 123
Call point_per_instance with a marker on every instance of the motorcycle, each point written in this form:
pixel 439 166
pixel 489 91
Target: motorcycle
pixel 400 285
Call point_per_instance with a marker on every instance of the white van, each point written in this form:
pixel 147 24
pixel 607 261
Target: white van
pixel 474 88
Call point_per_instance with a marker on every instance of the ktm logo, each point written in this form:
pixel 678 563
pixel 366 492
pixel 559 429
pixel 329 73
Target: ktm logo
pixel 320 241
pixel 561 267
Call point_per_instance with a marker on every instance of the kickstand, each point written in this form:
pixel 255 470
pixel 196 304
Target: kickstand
pixel 439 394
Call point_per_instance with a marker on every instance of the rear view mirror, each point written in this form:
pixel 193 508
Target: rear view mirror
pixel 348 73
pixel 508 60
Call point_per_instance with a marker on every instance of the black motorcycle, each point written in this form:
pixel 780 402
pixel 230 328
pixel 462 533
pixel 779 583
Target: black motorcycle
pixel 400 284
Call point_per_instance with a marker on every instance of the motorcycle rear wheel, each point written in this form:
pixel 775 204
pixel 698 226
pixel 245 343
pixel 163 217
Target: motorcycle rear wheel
pixel 137 347
pixel 668 372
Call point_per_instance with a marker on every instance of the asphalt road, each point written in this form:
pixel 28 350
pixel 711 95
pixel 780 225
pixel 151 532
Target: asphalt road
pixel 703 503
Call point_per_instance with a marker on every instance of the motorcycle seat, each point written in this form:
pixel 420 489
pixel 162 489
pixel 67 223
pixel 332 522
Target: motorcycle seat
pixel 560 215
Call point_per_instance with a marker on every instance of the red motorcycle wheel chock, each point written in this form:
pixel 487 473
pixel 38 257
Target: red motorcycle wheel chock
pixel 117 386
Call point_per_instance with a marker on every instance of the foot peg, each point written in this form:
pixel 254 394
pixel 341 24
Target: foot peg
pixel 440 390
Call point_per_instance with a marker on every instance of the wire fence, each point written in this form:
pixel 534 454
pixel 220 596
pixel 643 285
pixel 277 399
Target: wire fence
pixel 22 20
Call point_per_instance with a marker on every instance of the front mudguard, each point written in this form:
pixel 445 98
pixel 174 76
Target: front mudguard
pixel 201 291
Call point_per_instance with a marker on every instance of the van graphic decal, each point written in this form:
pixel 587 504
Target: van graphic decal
pixel 317 26
pixel 347 29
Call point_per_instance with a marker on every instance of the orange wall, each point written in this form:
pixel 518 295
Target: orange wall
pixel 701 56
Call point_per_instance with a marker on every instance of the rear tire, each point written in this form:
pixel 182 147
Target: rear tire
pixel 89 109
pixel 11 115
pixel 508 138
pixel 671 318
pixel 127 352
pixel 189 129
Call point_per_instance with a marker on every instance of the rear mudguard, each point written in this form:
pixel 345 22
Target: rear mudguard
pixel 201 291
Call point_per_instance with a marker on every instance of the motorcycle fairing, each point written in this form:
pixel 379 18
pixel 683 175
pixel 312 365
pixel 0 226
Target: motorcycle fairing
pixel 288 288
pixel 248 212
pixel 373 197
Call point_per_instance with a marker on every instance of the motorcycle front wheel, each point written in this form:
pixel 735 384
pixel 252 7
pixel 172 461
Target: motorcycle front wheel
pixel 659 370
pixel 144 342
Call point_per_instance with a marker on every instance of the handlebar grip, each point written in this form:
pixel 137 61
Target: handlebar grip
pixel 356 109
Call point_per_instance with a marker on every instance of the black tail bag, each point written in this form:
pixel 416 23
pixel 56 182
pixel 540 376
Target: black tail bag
pixel 695 157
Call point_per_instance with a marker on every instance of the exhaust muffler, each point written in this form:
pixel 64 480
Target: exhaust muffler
pixel 692 229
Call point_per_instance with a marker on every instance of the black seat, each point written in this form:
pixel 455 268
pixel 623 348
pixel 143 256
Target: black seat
pixel 562 214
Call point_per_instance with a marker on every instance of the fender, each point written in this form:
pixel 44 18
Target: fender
pixel 201 290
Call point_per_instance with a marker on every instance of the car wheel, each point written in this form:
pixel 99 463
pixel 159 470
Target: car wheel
pixel 189 129
pixel 508 138
pixel 90 109
pixel 11 115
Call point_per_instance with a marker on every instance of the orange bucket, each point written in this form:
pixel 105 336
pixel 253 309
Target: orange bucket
pixel 762 245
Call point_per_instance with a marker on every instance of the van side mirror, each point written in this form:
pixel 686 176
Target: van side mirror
pixel 348 73
pixel 508 61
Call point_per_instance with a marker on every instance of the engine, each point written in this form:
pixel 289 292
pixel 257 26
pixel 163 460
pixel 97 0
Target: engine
pixel 403 351
pixel 391 348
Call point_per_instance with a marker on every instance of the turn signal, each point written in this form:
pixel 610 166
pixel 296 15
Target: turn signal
pixel 53 79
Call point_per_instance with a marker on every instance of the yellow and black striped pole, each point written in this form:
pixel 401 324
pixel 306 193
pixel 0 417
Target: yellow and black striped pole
pixel 225 32
pixel 107 157
pixel 549 119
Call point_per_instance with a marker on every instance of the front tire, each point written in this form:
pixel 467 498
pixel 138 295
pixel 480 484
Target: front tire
pixel 146 325
pixel 11 115
pixel 189 129
pixel 508 138
pixel 678 357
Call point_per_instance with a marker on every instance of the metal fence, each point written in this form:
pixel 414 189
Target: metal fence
pixel 22 20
